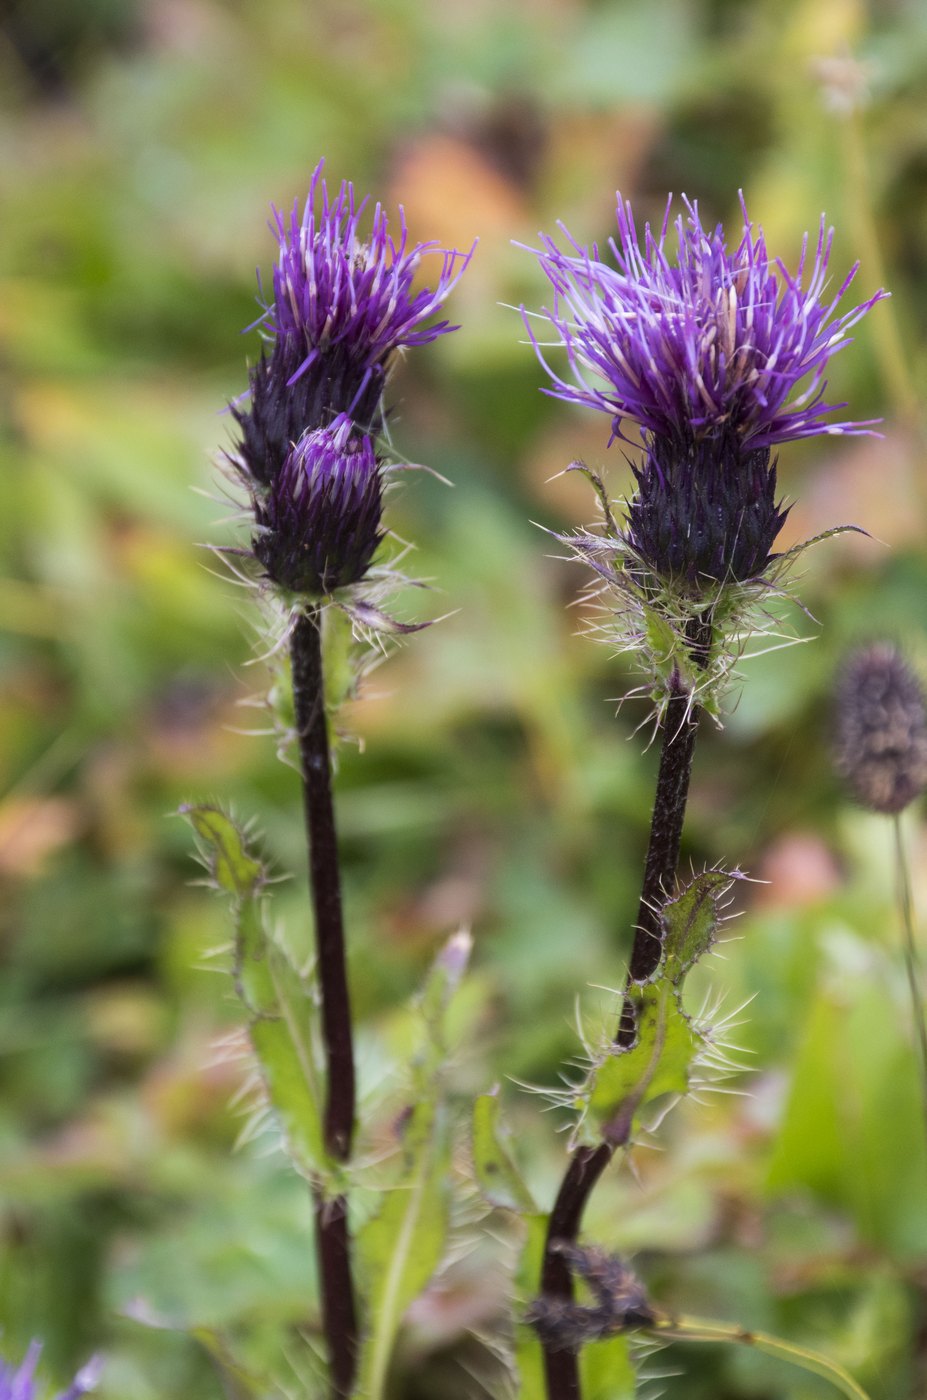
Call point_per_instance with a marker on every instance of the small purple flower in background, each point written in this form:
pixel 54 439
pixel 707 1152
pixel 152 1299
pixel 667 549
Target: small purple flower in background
pixel 20 1384
pixel 318 524
pixel 706 354
pixel 344 304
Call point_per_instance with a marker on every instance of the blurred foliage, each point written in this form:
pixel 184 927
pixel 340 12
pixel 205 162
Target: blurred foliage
pixel 142 143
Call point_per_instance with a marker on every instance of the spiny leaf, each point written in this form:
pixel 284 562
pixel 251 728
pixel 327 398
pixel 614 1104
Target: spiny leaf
pixel 280 1004
pixel 285 1044
pixel 339 668
pixel 230 864
pixel 401 1246
pixel 606 1370
pixel 658 1063
pixel 661 639
pixel 497 1175
pixel 691 923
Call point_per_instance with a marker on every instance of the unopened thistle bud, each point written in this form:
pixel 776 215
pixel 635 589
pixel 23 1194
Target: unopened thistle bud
pixel 880 745
pixel 704 510
pixel 318 525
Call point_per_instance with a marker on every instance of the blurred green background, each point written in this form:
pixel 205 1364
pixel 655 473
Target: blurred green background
pixel 142 143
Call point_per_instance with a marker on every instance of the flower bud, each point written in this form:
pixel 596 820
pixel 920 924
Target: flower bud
pixel 880 744
pixel 705 509
pixel 319 522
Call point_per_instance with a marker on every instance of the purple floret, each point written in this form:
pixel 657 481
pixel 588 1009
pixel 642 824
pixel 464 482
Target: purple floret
pixel 318 526
pixel 344 303
pixel 717 357
pixel 714 340
pixel 334 287
pixel 20 1384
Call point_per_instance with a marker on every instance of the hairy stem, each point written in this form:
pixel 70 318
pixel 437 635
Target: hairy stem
pixel 680 726
pixel 339 1317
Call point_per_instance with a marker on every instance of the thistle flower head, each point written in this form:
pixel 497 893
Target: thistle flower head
pixel 20 1384
pixel 706 354
pixel 318 524
pixel 718 356
pixel 880 742
pixel 344 303
pixel 716 342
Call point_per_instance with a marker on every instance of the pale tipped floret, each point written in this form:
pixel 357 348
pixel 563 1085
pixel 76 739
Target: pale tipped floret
pixel 345 300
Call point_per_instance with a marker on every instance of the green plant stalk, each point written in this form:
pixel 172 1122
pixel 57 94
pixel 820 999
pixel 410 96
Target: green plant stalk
pixel 694 1329
pixel 911 960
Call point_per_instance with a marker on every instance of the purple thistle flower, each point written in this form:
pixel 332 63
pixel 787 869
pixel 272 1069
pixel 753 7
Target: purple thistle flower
pixel 344 303
pixel 20 1384
pixel 707 355
pixel 318 524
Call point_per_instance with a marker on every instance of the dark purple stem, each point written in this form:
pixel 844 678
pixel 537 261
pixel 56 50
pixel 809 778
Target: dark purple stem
pixel 339 1315
pixel 680 727
pixel 339 1318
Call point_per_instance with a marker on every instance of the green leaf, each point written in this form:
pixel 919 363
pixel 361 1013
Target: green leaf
pixel 662 641
pixel 606 1370
pixel 691 923
pixel 338 648
pixel 285 1042
pixel 230 865
pixel 401 1246
pixel 625 1080
pixel 529 1359
pixel 497 1175
pixel 279 1001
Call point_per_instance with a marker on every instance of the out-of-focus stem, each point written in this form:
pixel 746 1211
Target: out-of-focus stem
pixel 911 959
pixel 339 1314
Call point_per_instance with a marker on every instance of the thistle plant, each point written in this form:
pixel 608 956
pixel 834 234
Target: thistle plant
pixel 345 304
pixel 719 357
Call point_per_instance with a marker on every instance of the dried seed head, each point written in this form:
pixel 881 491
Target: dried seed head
pixel 880 744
